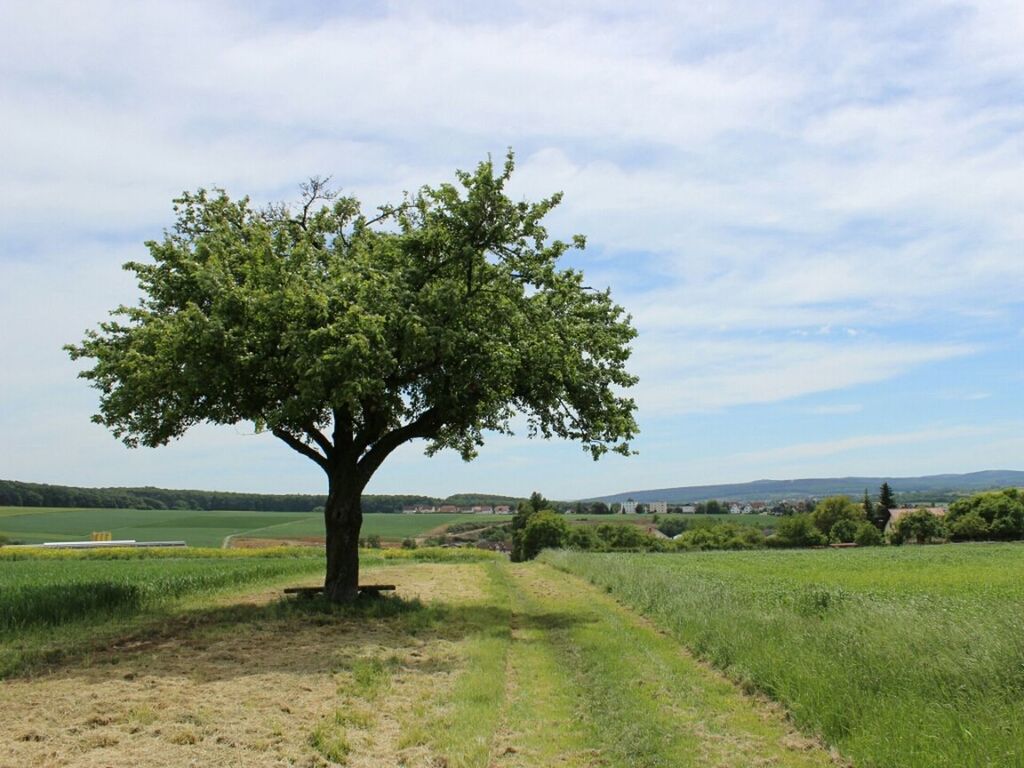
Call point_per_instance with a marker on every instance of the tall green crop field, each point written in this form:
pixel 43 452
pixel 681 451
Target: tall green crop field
pixel 909 656
pixel 55 591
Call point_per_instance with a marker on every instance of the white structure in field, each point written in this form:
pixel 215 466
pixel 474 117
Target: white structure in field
pixel 658 507
pixel 629 507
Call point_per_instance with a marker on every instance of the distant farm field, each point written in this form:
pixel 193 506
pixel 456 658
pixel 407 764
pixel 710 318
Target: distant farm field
pixel 34 525
pixel 909 656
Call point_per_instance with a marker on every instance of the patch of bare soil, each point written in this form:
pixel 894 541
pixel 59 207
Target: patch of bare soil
pixel 242 542
pixel 248 684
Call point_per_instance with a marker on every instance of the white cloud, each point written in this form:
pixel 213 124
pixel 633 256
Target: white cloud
pixel 681 374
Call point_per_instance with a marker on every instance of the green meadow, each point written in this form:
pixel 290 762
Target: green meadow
pixel 898 656
pixel 34 525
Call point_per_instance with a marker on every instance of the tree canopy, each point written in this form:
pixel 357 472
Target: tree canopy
pixel 345 335
pixel 834 509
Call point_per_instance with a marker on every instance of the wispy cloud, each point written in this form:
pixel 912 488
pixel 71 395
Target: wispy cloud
pixel 814 450
pixel 685 373
pixel 840 409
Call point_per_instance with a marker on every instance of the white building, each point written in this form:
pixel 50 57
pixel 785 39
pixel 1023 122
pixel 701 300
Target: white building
pixel 658 507
pixel 629 507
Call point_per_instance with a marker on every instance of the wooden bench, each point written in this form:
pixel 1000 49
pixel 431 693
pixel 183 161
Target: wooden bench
pixel 365 589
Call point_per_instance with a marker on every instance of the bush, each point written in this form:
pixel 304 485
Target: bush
pixel 832 510
pixel 723 536
pixel 408 543
pixel 920 526
pixel 545 530
pixel 583 537
pixel 969 527
pixel 1002 513
pixel 796 531
pixel 868 535
pixel 843 532
pixel 626 536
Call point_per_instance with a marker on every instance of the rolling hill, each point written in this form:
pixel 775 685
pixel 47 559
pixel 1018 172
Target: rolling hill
pixel 824 486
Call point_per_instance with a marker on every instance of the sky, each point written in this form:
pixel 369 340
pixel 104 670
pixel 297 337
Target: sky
pixel 813 211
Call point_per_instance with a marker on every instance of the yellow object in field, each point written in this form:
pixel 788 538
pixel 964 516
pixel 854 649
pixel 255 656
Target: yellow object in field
pixel 101 536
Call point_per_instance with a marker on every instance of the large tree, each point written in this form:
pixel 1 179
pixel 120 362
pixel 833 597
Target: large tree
pixel 346 336
pixel 886 503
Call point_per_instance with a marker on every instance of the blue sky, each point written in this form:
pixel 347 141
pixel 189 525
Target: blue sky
pixel 815 215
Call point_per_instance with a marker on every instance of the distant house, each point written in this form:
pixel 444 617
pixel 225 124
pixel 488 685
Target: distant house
pixel 895 515
pixel 502 509
pixel 418 509
pixel 449 508
pixel 629 507
pixel 658 507
pixel 688 509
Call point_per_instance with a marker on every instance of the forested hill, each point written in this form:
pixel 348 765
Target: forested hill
pixel 766 490
pixel 17 494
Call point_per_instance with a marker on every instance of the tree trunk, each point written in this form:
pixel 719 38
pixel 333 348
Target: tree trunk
pixel 343 518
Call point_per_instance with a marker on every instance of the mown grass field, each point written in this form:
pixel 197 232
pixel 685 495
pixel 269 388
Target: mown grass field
pixel 476 663
pixel 34 525
pixel 908 656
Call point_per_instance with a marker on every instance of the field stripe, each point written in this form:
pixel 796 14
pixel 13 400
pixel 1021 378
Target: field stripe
pixel 543 722
pixel 465 733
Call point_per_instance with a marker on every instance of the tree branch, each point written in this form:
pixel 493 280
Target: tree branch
pixel 320 439
pixel 425 425
pixel 306 450
pixel 315 189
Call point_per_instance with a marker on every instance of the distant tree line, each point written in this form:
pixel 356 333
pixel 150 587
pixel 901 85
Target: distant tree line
pixel 18 494
pixel 836 520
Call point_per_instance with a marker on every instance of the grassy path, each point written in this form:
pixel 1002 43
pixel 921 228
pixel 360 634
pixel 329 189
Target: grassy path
pixel 571 678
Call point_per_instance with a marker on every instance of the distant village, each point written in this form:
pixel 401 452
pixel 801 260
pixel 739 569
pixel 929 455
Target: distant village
pixel 625 508
pixel 450 509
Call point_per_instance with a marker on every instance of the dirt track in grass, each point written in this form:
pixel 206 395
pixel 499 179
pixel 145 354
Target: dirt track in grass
pixel 496 666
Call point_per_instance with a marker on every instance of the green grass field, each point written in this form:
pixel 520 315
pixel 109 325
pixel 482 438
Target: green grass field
pixel 908 656
pixel 34 525
pixel 388 527
pixel 477 663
